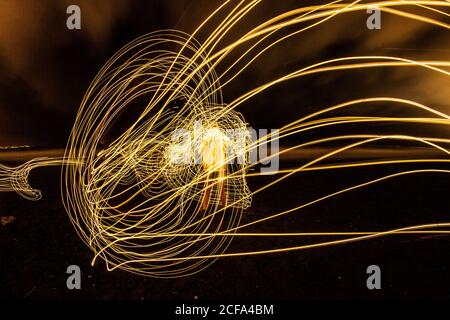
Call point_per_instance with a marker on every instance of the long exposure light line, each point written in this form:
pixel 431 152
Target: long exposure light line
pixel 137 196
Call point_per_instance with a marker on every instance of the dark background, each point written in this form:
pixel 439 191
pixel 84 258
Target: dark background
pixel 45 69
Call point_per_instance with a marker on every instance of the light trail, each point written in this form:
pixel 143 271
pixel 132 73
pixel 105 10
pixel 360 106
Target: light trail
pixel 137 197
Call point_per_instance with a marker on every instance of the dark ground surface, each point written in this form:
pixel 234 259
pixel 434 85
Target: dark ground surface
pixel 37 248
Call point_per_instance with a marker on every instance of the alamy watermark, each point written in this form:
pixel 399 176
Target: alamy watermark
pixel 73 21
pixel 373 22
pixel 216 146
pixel 74 279
pixel 374 280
